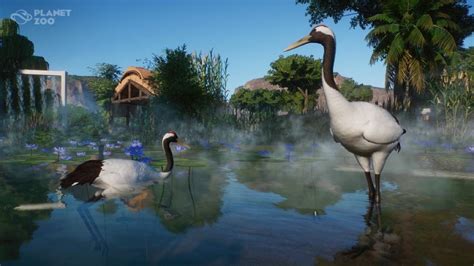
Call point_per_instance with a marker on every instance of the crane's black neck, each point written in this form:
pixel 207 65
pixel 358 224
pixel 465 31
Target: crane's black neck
pixel 329 45
pixel 169 156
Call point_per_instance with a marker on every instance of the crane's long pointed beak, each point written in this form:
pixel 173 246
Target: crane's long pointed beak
pixel 300 42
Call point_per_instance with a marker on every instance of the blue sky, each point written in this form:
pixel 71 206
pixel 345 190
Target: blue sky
pixel 251 34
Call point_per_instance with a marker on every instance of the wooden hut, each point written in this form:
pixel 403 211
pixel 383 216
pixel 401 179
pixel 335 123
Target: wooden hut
pixel 132 91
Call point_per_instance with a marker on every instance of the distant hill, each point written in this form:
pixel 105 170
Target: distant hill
pixel 380 96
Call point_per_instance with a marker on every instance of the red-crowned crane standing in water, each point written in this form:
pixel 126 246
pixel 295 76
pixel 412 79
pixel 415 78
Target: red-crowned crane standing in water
pixel 368 131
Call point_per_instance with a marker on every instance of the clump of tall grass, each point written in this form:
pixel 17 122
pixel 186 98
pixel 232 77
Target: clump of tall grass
pixel 454 106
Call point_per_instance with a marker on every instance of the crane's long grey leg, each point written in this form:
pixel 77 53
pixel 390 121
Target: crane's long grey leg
pixel 377 188
pixel 370 185
pixel 378 160
pixel 364 163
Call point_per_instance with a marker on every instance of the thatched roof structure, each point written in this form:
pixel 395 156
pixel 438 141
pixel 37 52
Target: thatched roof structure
pixel 133 86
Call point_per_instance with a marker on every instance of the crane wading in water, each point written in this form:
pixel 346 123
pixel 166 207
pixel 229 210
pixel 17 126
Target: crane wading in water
pixel 368 131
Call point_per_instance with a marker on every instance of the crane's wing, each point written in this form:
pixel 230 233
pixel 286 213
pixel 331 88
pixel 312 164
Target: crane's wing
pixel 382 128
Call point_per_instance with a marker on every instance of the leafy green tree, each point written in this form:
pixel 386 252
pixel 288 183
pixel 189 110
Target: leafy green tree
pixel 190 85
pixel 297 73
pixel 176 80
pixel 356 92
pixel 413 38
pixel 107 71
pixel 362 10
pixel 103 87
pixel 16 52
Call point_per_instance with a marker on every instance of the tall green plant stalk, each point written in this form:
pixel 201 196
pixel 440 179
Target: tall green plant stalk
pixel 15 97
pixel 3 98
pixel 37 94
pixel 26 89
pixel 455 104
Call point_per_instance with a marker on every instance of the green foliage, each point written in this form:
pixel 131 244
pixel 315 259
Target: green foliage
pixel 16 52
pixel 212 73
pixel 356 92
pixel 176 80
pixel 189 85
pixel 362 10
pixel 297 73
pixel 414 38
pixel 319 10
pixel 107 71
pixel 83 124
pixel 103 87
pixel 454 105
pixel 14 95
pixel 260 107
pixel 26 88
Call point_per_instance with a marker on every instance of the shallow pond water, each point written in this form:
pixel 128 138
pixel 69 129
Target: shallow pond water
pixel 244 207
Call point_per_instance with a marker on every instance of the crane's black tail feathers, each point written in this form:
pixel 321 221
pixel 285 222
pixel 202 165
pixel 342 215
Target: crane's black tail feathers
pixel 398 148
pixel 84 173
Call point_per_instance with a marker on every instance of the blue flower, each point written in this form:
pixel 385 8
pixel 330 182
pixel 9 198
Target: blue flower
pixel 180 148
pixel 146 160
pixel 447 146
pixel 289 147
pixel 107 153
pixel 264 153
pixel 65 157
pixel 81 153
pixel 469 149
pixel 205 144
pixel 73 142
pixel 59 150
pixel 84 143
pixel 31 146
pixel 135 150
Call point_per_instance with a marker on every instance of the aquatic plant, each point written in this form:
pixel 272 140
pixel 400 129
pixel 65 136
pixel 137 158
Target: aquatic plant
pixel 469 149
pixel 289 148
pixel 31 147
pixel 110 145
pixel 135 150
pixel 73 143
pixel 146 160
pixel 205 144
pixel 447 146
pixel 61 152
pixel 180 148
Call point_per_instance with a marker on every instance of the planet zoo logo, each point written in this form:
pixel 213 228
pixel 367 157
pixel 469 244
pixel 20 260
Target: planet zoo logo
pixel 39 16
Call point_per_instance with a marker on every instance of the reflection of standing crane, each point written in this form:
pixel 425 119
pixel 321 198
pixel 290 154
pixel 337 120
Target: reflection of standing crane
pixel 168 212
pixel 376 242
pixel 99 240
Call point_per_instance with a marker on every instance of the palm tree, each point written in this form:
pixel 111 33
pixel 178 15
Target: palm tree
pixel 414 38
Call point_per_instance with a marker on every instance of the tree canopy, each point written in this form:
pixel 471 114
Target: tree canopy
pixel 103 87
pixel 362 10
pixel 356 92
pixel 189 84
pixel 297 73
pixel 413 38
